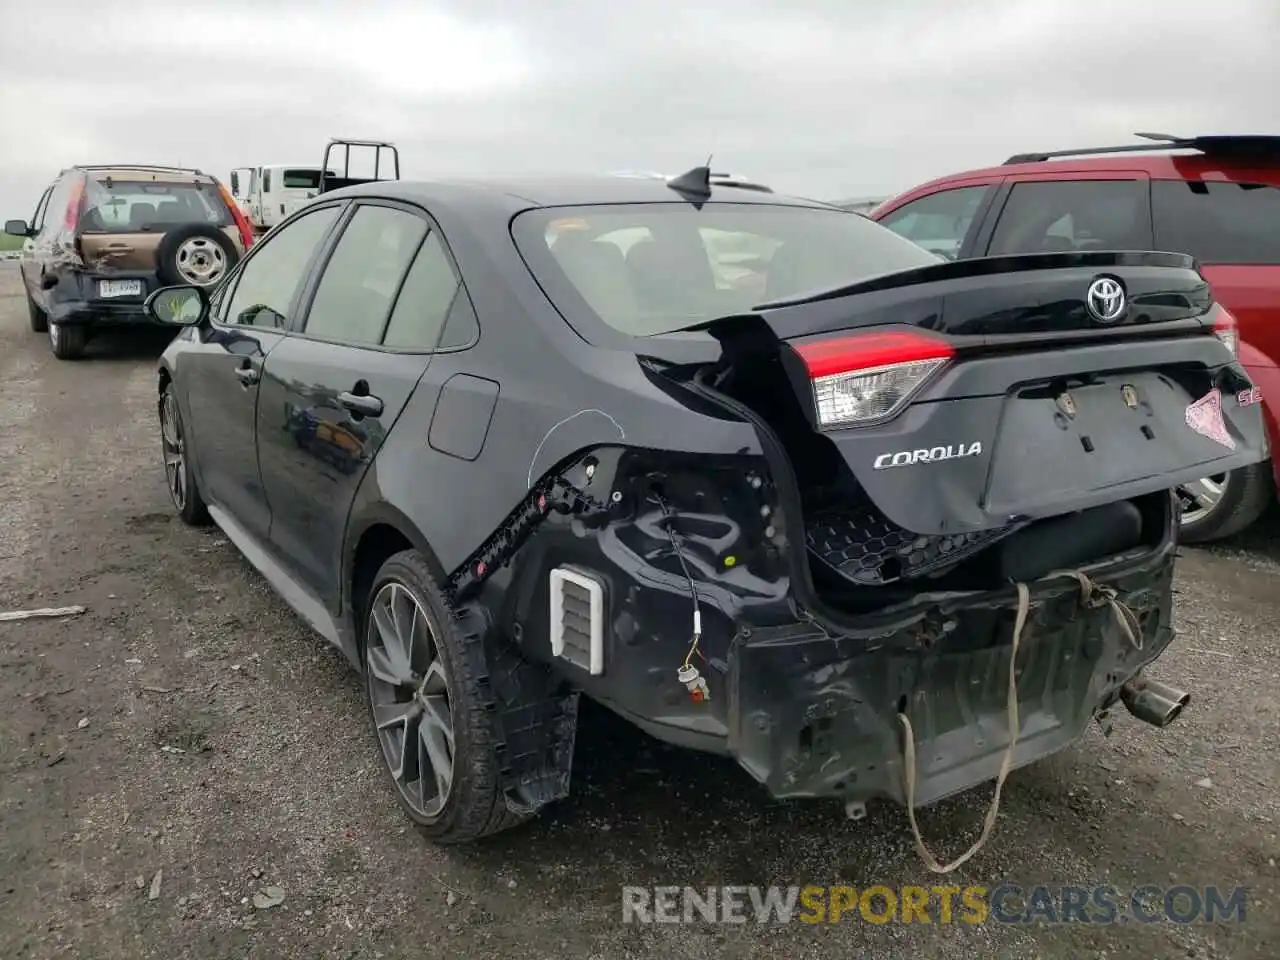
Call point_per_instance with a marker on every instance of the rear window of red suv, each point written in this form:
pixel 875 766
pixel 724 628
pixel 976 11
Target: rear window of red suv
pixel 1218 221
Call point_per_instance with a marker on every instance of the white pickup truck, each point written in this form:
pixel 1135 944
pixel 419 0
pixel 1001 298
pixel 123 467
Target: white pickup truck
pixel 270 193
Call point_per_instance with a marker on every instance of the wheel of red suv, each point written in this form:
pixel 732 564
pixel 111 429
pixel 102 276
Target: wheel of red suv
pixel 195 253
pixel 177 469
pixel 38 318
pixel 67 343
pixel 434 731
pixel 1220 506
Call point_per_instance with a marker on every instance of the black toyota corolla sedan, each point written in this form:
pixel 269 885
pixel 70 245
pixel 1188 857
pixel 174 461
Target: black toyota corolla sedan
pixel 754 472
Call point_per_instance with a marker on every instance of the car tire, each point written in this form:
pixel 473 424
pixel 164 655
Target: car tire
pixel 1242 497
pixel 68 343
pixel 195 254
pixel 38 318
pixel 431 697
pixel 183 490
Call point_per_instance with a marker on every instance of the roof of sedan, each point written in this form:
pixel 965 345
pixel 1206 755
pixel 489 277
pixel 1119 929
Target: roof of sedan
pixel 521 193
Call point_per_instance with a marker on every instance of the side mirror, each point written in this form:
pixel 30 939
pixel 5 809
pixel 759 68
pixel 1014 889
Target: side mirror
pixel 17 228
pixel 185 306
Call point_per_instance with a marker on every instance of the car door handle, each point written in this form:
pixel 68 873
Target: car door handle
pixel 248 375
pixel 363 404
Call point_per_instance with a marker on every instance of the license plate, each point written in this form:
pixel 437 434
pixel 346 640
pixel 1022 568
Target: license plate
pixel 120 288
pixel 1090 438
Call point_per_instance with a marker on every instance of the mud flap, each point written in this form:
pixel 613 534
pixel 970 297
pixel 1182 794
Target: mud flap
pixel 535 721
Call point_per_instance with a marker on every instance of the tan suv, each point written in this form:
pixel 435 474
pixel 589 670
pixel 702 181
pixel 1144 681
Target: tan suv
pixel 104 237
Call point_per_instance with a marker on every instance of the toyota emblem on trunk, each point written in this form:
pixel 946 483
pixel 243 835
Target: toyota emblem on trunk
pixel 1105 300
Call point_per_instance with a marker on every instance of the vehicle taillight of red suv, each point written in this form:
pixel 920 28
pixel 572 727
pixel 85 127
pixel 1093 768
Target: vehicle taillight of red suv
pixel 1216 198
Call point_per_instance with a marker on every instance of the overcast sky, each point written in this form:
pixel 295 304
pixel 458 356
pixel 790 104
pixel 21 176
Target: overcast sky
pixel 825 98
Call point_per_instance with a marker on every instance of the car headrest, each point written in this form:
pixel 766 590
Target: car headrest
pixel 598 270
pixel 140 214
pixel 667 279
pixel 170 211
pixel 793 270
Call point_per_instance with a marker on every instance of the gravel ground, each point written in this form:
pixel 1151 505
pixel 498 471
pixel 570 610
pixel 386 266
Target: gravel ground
pixel 188 728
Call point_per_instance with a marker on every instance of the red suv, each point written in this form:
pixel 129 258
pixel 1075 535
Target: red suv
pixel 1216 198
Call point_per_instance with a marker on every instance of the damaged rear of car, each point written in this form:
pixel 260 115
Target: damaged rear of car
pixel 946 450
pixel 754 472
pixel 104 237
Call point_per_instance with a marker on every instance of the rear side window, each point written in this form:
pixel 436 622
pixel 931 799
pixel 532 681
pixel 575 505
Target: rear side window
pixel 124 206
pixel 363 275
pixel 56 214
pixel 266 180
pixel 1218 222
pixel 1073 215
pixel 940 221
pixel 461 328
pixel 424 299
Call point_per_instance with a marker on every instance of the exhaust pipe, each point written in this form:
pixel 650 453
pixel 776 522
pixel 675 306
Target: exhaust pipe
pixel 1154 702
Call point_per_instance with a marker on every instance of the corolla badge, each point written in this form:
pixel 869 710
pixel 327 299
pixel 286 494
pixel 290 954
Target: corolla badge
pixel 1105 300
pixel 907 458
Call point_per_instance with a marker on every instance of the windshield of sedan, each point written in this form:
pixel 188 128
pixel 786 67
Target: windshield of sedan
pixel 652 268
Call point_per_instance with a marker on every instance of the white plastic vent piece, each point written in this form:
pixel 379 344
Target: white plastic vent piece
pixel 577 619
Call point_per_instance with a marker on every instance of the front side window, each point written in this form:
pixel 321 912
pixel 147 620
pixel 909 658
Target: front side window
pixel 653 268
pixel 270 278
pixel 363 275
pixel 42 208
pixel 940 221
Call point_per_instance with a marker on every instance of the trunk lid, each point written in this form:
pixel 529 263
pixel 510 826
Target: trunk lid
pixel 973 395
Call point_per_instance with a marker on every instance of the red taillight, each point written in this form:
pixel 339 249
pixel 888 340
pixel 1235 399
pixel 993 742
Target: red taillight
pixel 1225 329
pixel 237 215
pixel 863 378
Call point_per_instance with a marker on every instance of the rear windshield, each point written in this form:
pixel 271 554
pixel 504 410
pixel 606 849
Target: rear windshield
pixel 1218 222
pixel 655 268
pixel 304 179
pixel 124 206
